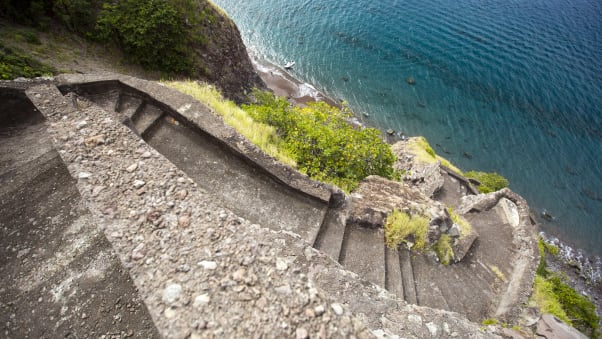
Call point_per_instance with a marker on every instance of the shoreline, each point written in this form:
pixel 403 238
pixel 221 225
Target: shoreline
pixel 282 83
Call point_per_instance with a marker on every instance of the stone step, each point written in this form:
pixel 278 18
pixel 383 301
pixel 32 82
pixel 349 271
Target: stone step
pixel 146 117
pixel 363 252
pixel 407 276
pixel 330 237
pixel 428 292
pixel 394 280
pixel 128 104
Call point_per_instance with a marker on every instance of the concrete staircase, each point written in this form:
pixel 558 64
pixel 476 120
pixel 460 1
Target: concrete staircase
pixel 50 245
pixel 470 287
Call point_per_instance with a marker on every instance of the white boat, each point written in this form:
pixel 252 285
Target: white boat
pixel 289 64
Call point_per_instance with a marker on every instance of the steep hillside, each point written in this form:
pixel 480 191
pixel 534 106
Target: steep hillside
pixel 146 38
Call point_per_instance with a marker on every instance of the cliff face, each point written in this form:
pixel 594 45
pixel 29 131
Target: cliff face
pixel 227 64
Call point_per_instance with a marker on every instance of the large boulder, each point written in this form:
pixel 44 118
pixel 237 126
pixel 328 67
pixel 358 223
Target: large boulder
pixel 424 175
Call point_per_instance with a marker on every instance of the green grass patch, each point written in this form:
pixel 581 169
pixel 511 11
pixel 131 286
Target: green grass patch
pixel 553 295
pixel 14 64
pixel 444 250
pixel 463 224
pixel 490 321
pixel 262 135
pixel 423 152
pixel 490 182
pixel 400 227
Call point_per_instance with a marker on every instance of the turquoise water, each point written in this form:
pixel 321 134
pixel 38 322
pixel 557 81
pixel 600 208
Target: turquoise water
pixel 507 86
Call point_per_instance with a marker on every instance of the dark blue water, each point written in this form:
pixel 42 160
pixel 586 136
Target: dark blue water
pixel 515 84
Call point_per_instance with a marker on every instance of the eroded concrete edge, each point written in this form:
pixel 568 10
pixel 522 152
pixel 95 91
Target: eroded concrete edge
pixel 201 116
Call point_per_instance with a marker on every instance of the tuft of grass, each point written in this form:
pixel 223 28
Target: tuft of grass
pixel 463 224
pixel 496 270
pixel 262 135
pixel 490 321
pixel 423 152
pixel 443 249
pixel 545 298
pixel 401 227
pixel 490 182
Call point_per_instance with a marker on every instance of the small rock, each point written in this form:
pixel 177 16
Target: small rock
pixel 454 231
pixel 139 252
pixel 84 175
pixel 81 124
pixel 281 264
pixel 310 313
pixel 319 310
pixel 131 168
pixel 411 81
pixel 309 253
pixel 184 221
pixel 284 289
pixel 390 131
pixel 223 216
pixel 337 308
pixel 415 319
pixel 94 141
pixel 239 275
pixel 183 268
pixel 201 300
pixel 208 265
pixel 433 329
pixel 301 333
pixel 138 183
pixel 96 190
pixel 172 293
pixel 181 195
pixel 146 155
pixel 169 313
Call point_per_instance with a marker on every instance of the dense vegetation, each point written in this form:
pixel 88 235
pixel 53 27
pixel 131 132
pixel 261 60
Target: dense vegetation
pixel 553 295
pixel 14 65
pixel 489 182
pixel 401 227
pixel 156 34
pixel 323 143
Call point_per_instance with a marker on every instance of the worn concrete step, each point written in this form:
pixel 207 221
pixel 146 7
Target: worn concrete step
pixel 145 117
pixel 394 280
pixel 407 276
pixel 364 253
pixel 428 292
pixel 330 238
pixel 128 104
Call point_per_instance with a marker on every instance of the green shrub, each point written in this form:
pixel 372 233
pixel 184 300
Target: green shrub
pixel 490 182
pixel 322 142
pixel 14 65
pixel 151 33
pixel 553 295
pixel 401 227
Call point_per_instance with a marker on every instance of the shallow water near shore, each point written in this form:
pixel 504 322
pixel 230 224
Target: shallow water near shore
pixel 513 87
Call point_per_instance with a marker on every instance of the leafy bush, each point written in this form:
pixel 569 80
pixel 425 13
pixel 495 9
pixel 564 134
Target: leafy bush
pixel 151 32
pixel 14 65
pixel 322 142
pixel 78 15
pixel 401 227
pixel 490 182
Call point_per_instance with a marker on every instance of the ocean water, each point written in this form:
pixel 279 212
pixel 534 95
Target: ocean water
pixel 511 86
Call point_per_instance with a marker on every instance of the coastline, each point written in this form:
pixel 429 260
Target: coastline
pixel 282 83
pixel 584 270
